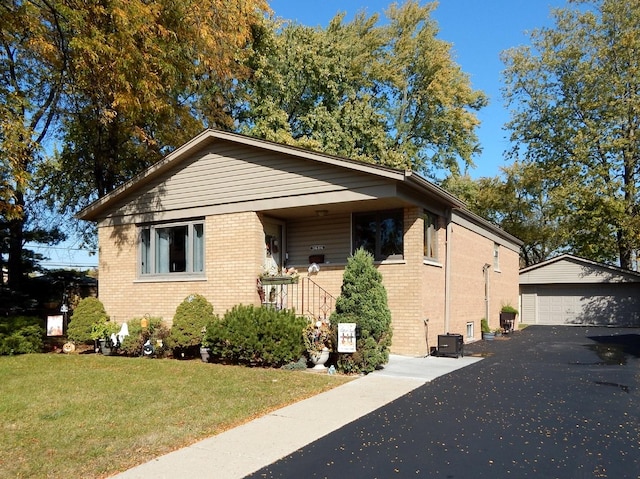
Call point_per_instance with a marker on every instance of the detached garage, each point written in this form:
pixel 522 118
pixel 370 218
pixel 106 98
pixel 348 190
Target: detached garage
pixel 575 291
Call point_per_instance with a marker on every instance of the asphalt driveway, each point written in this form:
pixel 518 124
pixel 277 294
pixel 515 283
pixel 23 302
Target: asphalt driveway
pixel 547 402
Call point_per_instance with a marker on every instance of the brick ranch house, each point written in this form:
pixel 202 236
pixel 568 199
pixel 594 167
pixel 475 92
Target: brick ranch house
pixel 207 217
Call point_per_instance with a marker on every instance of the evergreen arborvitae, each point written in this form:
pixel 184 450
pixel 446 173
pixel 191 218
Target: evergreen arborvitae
pixel 88 315
pixel 363 300
pixel 189 325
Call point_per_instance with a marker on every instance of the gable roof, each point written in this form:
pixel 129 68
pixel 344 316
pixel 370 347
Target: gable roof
pixel 102 205
pixel 412 181
pixel 567 268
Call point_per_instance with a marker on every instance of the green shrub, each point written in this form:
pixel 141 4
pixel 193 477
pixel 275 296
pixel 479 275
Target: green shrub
pixel 363 300
pixel 299 365
pixel 507 308
pixel 21 335
pixel 192 318
pixel 257 336
pixel 156 332
pixel 484 325
pixel 88 322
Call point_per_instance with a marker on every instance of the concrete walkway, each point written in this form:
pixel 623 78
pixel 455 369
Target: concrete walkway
pixel 247 448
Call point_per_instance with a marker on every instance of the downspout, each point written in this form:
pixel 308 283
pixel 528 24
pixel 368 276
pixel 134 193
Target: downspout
pixel 485 271
pixel 447 275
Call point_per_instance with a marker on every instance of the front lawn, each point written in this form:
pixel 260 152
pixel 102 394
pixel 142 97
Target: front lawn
pixel 88 415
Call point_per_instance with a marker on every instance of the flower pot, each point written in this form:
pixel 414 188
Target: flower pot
pixel 105 347
pixel 489 336
pixel 319 358
pixel 507 320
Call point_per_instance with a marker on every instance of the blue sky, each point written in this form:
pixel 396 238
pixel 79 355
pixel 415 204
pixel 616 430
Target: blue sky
pixel 478 31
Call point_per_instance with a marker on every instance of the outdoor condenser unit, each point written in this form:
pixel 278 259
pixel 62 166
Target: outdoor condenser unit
pixel 450 345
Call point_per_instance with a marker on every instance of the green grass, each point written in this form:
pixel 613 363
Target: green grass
pixel 93 415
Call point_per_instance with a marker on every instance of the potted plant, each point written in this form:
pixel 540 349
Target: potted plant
pixel 271 282
pixel 101 334
pixel 205 347
pixel 486 330
pixel 508 317
pixel 317 341
pixel 147 337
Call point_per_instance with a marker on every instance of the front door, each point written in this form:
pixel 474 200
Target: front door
pixel 273 248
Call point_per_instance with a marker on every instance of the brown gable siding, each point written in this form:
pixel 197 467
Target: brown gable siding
pixel 228 174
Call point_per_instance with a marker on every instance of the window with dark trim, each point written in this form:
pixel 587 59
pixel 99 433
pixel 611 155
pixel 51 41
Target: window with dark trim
pixel 381 233
pixel 430 246
pixel 172 248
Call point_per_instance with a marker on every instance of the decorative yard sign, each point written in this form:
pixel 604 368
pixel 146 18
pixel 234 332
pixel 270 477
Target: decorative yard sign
pixel 54 325
pixel 346 337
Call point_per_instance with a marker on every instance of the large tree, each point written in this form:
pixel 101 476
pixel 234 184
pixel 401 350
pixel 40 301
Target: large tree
pixel 119 82
pixel 146 76
pixel 575 98
pixel 517 201
pixel 386 93
pixel 32 75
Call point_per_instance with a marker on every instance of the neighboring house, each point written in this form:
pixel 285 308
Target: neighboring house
pixel 212 214
pixel 571 290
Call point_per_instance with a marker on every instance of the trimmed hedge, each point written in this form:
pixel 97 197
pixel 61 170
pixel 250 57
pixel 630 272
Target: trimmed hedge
pixel 21 335
pixel 257 336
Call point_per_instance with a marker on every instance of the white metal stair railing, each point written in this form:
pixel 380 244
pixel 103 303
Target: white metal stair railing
pixel 305 296
pixel 316 302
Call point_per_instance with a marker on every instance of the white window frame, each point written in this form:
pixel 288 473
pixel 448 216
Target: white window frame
pixel 496 257
pixel 149 250
pixel 470 330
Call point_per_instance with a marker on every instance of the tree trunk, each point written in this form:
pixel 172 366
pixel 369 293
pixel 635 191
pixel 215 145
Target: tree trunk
pixel 624 251
pixel 15 265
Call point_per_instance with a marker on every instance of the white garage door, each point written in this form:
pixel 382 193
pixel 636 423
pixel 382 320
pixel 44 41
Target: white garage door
pixel 606 304
pixel 558 308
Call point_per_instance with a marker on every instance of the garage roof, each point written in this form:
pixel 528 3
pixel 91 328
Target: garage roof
pixel 569 269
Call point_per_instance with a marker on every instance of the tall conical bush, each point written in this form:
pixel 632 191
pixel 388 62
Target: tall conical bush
pixel 363 300
pixel 88 316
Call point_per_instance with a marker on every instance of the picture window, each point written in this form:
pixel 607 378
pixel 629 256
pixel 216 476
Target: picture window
pixel 381 233
pixel 170 249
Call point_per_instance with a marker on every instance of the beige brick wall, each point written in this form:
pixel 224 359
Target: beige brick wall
pixel 234 252
pixel 234 256
pixel 404 288
pixel 470 252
